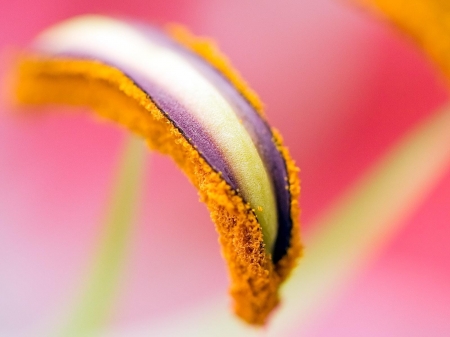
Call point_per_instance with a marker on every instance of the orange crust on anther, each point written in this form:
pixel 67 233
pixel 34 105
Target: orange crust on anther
pixel 207 49
pixel 111 94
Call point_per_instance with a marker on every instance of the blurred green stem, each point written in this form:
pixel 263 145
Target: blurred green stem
pixel 97 298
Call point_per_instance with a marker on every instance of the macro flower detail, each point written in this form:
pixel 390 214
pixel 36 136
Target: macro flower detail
pixel 182 96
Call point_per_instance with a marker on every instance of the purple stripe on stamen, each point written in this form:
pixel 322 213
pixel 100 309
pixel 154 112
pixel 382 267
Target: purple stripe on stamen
pixel 183 120
pixel 194 132
pixel 257 128
pixel 200 137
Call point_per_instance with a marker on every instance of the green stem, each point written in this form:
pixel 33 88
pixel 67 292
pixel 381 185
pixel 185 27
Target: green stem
pixel 95 304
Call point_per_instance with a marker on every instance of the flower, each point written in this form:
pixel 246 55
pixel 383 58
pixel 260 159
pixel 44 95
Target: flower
pixel 188 103
pixel 342 89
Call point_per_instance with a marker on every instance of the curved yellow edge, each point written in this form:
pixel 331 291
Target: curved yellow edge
pixel 426 21
pixel 254 279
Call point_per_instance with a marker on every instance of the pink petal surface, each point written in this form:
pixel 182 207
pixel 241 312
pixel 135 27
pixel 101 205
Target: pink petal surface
pixel 405 292
pixel 339 86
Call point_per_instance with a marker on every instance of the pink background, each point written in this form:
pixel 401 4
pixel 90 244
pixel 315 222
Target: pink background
pixel 341 88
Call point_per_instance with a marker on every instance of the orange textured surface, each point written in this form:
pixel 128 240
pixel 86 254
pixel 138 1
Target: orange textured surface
pixel 112 95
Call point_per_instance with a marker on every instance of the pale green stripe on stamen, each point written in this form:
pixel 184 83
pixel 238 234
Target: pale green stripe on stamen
pixel 98 295
pixel 359 225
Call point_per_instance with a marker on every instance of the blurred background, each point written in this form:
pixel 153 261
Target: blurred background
pixel 341 86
